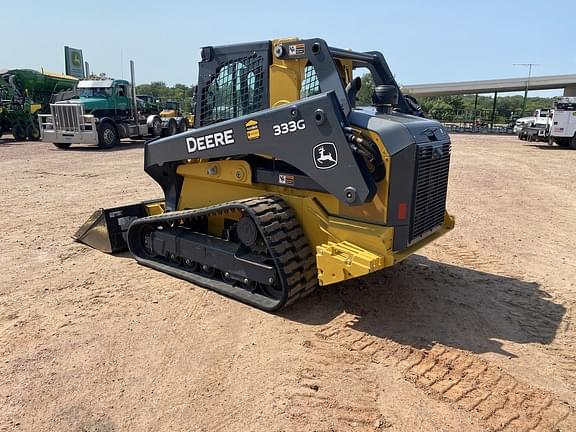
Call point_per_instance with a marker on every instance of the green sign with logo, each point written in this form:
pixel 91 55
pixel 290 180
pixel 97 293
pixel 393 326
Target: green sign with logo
pixel 74 62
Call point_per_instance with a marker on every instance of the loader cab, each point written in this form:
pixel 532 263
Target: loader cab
pixel 232 83
pixel 171 109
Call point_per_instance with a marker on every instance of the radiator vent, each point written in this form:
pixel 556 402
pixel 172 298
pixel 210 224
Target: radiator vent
pixel 431 185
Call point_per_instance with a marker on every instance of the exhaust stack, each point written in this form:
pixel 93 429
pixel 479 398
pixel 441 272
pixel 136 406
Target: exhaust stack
pixel 133 95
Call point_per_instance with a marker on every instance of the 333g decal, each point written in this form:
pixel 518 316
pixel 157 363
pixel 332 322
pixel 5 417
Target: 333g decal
pixel 288 127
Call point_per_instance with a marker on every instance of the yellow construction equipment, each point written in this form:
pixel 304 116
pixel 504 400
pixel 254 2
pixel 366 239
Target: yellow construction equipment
pixel 284 184
pixel 172 119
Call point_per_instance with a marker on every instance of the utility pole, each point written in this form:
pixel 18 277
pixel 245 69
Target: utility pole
pixel 527 83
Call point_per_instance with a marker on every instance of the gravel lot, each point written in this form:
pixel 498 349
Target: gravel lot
pixel 475 333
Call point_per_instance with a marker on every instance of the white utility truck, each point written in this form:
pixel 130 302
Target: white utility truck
pixel 563 128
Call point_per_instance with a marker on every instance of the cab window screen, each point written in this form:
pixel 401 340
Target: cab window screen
pixel 236 90
pixel 310 85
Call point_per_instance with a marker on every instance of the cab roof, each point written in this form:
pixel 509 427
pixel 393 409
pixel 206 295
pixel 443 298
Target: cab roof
pixel 95 83
pixel 106 83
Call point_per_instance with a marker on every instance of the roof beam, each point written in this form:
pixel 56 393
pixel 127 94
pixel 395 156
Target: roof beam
pixel 491 86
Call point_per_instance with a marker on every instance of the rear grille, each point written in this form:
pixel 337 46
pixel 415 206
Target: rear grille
pixel 67 117
pixel 431 184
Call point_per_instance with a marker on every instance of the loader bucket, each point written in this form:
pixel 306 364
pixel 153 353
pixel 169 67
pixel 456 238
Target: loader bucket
pixel 106 229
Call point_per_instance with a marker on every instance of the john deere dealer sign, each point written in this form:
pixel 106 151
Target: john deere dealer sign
pixel 74 62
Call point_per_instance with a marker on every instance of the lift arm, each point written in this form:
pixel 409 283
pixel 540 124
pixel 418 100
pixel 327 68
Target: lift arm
pixel 307 134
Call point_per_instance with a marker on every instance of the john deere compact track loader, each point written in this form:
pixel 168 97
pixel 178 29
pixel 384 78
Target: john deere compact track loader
pixel 284 184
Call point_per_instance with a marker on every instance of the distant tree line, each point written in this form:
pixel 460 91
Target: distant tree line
pixel 446 108
pixel 506 106
pixel 461 108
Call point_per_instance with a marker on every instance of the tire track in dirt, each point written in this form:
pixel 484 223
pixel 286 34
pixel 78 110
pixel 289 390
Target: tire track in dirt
pixel 471 258
pixel 332 391
pixel 195 310
pixel 564 351
pixel 460 379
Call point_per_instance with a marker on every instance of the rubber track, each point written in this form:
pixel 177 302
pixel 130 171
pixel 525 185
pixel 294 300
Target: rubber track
pixel 282 234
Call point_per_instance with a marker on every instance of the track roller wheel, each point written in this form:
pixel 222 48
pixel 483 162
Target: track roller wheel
pixel 190 265
pixel 207 270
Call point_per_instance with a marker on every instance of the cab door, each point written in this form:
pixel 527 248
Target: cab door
pixel 121 100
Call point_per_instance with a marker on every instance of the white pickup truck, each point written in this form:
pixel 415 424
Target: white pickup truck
pixel 535 128
pixel 521 123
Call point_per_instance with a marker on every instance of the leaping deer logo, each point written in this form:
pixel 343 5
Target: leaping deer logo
pixel 325 155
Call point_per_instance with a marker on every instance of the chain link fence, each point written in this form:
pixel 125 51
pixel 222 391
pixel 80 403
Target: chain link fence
pixel 476 121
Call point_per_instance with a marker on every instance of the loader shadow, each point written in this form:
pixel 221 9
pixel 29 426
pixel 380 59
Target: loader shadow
pixel 124 145
pixel 422 302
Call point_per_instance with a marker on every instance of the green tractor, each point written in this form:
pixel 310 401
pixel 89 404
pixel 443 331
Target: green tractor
pixel 25 93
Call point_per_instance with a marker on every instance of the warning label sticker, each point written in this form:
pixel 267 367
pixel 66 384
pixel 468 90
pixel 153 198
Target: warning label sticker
pixel 286 179
pixel 296 49
pixel 252 130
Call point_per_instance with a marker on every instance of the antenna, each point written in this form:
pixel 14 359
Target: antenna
pixel 529 65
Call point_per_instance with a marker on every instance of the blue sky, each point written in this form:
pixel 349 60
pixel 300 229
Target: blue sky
pixel 423 41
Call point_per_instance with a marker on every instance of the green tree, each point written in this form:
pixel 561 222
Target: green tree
pixel 364 96
pixel 461 108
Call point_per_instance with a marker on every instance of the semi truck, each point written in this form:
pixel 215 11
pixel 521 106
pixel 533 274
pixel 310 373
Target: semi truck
pixel 106 111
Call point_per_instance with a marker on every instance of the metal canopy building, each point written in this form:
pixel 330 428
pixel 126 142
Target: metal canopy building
pixel 566 82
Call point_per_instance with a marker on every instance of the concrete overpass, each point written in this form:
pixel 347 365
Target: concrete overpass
pixel 566 82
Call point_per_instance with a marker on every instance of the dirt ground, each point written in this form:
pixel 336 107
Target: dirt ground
pixel 475 333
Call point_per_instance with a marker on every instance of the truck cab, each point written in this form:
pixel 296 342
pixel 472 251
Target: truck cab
pixel 104 97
